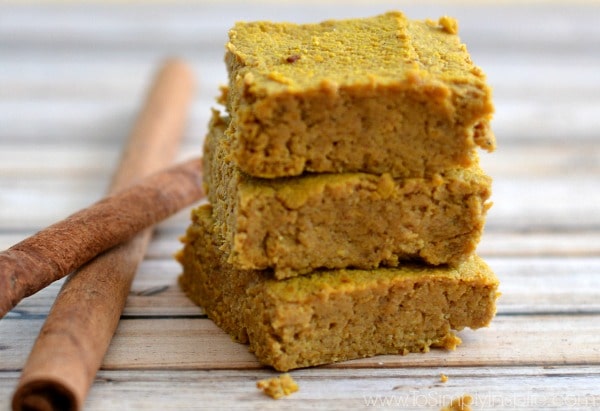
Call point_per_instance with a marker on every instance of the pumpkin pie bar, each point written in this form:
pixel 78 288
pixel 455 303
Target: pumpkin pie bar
pixel 334 315
pixel 380 94
pixel 298 224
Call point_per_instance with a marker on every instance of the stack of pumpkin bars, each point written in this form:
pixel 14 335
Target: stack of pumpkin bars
pixel 346 199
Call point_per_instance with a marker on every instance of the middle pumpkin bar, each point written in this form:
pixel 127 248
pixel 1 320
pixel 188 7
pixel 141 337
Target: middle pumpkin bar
pixel 295 225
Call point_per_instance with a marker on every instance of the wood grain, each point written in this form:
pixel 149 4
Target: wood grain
pixel 70 79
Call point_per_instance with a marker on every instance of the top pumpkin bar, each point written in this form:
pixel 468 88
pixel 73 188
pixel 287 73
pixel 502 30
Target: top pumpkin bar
pixel 381 94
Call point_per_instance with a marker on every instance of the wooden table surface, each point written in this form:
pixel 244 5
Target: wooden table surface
pixel 71 81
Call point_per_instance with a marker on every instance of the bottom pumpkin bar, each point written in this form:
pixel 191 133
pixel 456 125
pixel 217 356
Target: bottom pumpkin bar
pixel 334 315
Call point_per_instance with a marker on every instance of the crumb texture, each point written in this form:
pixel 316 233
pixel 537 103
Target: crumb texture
pixel 380 94
pixel 334 315
pixel 296 225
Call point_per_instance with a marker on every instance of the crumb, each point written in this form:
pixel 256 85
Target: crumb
pixel 443 378
pixel 278 77
pixel 449 25
pixel 460 404
pixel 450 342
pixel 222 98
pixel 278 387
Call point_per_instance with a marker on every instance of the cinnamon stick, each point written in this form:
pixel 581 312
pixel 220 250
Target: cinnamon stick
pixel 76 335
pixel 54 252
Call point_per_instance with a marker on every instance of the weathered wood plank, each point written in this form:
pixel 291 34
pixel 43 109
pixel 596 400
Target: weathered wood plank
pixel 84 159
pixel 159 299
pixel 544 204
pixel 535 244
pixel 73 161
pixel 31 207
pixel 525 110
pixel 494 243
pixel 94 74
pixel 521 118
pixel 558 25
pixel 196 343
pixel 40 122
pixel 526 203
pixel 548 285
pixel 531 285
pixel 542 158
pixel 63 121
pixel 102 75
pixel 331 389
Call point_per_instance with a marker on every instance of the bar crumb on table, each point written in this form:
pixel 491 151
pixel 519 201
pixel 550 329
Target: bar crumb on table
pixel 278 387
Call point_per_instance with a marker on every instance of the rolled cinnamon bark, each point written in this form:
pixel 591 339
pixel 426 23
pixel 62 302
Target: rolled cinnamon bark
pixel 76 335
pixel 54 252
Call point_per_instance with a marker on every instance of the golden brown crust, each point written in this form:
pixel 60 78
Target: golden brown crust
pixel 380 94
